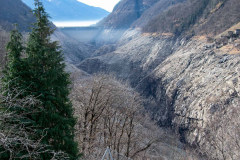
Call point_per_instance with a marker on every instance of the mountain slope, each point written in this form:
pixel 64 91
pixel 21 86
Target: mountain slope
pixel 192 84
pixel 126 12
pixel 175 16
pixel 130 14
pixel 199 17
pixel 12 12
pixel 154 11
pixel 70 10
pixel 15 12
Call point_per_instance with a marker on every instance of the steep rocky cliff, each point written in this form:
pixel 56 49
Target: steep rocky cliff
pixel 189 75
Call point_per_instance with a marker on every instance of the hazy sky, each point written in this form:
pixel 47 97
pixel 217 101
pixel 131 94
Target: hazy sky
pixel 105 4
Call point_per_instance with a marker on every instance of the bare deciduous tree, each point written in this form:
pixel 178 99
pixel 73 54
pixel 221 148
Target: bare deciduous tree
pixel 3 41
pixel 16 132
pixel 110 115
pixel 223 133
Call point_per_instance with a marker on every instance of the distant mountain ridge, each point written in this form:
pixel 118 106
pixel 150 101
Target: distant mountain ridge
pixel 126 12
pixel 70 10
pixel 15 12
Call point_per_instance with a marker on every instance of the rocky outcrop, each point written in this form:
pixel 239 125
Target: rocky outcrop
pixel 199 84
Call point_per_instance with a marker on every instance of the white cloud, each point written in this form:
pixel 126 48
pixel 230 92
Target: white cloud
pixel 105 4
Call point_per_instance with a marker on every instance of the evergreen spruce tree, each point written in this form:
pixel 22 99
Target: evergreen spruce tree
pixel 15 68
pixel 41 74
pixel 50 83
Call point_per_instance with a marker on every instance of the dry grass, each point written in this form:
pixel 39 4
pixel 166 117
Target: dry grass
pixel 202 38
pixel 156 34
pixel 233 28
pixel 168 34
pixel 230 49
pixel 217 7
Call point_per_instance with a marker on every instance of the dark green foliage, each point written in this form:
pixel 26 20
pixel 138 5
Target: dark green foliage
pixel 51 84
pixel 42 75
pixel 15 68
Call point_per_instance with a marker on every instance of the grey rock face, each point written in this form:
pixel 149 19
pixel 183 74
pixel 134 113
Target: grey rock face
pixel 201 85
pixel 186 85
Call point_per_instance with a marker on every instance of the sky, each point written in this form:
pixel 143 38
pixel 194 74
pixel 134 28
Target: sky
pixel 105 4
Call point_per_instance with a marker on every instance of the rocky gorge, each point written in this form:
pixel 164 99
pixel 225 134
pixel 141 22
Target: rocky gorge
pixel 191 87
